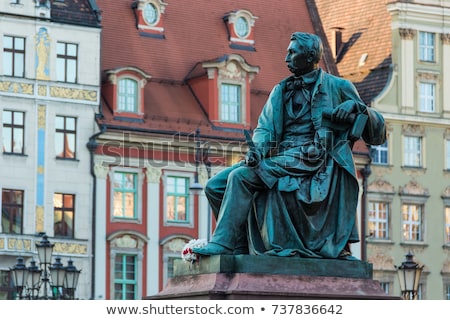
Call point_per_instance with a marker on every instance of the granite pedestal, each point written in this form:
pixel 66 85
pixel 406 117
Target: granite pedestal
pixel 247 277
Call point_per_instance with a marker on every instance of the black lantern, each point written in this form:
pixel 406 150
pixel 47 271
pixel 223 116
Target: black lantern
pixel 71 279
pixel 409 275
pixel 35 283
pixel 20 276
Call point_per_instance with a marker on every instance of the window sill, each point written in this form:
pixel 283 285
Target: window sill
pixel 126 220
pixel 380 241
pixel 67 159
pixel 413 244
pixel 15 154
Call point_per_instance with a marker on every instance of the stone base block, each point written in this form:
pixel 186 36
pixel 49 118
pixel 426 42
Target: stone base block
pixel 271 278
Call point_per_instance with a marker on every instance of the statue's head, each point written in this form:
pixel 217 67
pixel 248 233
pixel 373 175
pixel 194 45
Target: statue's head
pixel 311 43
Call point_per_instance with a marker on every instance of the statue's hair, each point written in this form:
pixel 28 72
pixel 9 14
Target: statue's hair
pixel 312 42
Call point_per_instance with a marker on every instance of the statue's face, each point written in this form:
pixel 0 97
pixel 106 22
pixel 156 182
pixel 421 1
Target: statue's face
pixel 298 59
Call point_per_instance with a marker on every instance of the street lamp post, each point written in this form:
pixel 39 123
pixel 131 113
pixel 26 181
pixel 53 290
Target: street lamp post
pixel 202 156
pixel 28 281
pixel 409 275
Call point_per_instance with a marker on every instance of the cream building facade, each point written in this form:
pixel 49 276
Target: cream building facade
pixel 409 188
pixel 49 96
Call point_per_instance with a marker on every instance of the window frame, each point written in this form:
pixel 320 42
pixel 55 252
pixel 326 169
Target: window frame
pixel 63 59
pixel 177 195
pixel 420 224
pixel 134 191
pixel 227 115
pixel 378 151
pixel 409 153
pixel 447 154
pixel 123 281
pixel 427 99
pixel 13 127
pixel 376 220
pixel 190 200
pixel 427 51
pixel 126 95
pixel 12 205
pixel 447 224
pixel 15 55
pixel 66 133
pixel 64 209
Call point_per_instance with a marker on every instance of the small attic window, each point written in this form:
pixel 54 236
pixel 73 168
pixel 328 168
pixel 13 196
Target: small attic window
pixel 149 16
pixel 362 59
pixel 240 25
pixel 124 91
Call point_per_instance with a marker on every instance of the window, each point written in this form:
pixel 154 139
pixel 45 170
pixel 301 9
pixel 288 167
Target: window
pixel 124 195
pixel 447 154
pixel 66 62
pixel 128 92
pixel 63 214
pixel 378 220
pixel 427 97
pixel 177 199
pixel 230 102
pixel 242 27
pixel 412 222
pixel 380 153
pixel 447 295
pixel 150 13
pixel 447 225
pixel 65 137
pixel 385 286
pixel 13 131
pixel 12 211
pixel 14 56
pixel 125 282
pixel 426 46
pixel 413 151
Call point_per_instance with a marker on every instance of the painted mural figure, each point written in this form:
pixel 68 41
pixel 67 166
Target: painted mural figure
pixel 296 193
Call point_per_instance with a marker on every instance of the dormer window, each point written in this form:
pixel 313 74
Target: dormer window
pixel 149 17
pixel 240 25
pixel 124 91
pixel 228 100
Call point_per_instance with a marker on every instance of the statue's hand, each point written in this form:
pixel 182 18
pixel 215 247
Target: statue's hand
pixel 253 157
pixel 343 111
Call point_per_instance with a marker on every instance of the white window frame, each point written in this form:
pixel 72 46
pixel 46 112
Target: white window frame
pixel 378 152
pixel 230 109
pixel 377 220
pixel 447 224
pixel 124 103
pixel 412 151
pixel 427 96
pixel 427 46
pixel 411 222
pixel 447 154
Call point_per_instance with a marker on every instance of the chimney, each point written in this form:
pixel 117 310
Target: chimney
pixel 336 41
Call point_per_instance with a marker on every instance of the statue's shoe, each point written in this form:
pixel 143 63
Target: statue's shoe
pixel 212 249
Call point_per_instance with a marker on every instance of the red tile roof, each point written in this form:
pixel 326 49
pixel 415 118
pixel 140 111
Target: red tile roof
pixel 366 29
pixel 195 32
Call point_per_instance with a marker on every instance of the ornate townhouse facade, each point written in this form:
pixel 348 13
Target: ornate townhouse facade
pixel 49 96
pixel 398 55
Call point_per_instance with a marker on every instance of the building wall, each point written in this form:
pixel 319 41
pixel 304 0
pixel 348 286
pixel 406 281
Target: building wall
pixel 427 183
pixel 38 172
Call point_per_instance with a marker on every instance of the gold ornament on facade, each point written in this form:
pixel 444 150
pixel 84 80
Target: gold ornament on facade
pixel 42 90
pixel 39 219
pixel 41 116
pixel 42 53
pixel 72 248
pixel 75 94
pixel 18 244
